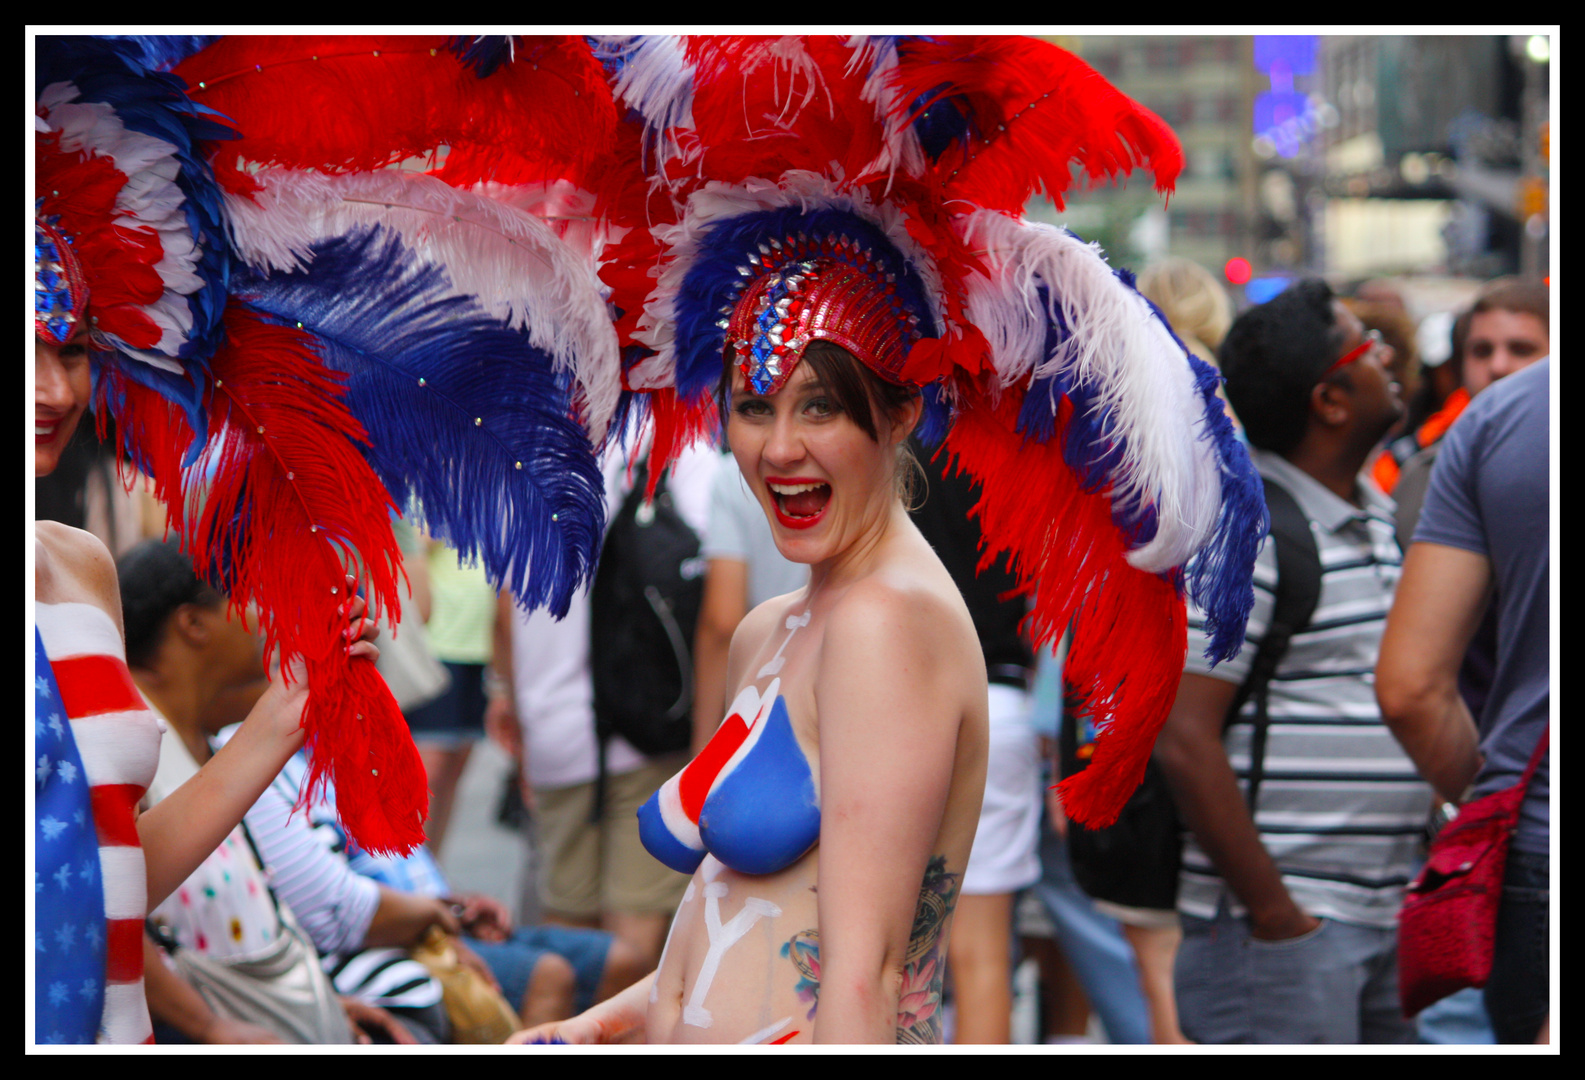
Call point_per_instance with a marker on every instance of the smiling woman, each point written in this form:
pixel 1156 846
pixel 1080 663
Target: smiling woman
pixel 828 822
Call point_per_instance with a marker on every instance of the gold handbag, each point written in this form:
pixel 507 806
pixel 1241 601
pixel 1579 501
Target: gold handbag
pixel 478 1012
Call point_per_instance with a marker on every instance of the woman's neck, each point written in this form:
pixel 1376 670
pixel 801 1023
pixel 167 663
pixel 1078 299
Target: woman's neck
pixel 859 558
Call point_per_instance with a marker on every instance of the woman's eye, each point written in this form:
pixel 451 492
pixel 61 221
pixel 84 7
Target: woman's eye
pixel 751 407
pixel 821 406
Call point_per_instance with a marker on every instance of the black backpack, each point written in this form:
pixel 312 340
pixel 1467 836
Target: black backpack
pixel 1135 862
pixel 643 609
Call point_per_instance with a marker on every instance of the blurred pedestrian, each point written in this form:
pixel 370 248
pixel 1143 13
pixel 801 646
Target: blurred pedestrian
pixel 1004 859
pixel 1303 828
pixel 591 869
pixel 1508 328
pixel 1485 530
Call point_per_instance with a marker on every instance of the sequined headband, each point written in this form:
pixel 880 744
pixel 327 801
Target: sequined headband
pixel 60 289
pixel 833 289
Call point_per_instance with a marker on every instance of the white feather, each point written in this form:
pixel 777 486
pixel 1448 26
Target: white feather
pixel 900 144
pixel 511 263
pixel 149 200
pixel 656 81
pixel 1117 345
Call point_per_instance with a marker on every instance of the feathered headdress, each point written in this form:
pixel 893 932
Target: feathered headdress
pixel 870 191
pixel 292 354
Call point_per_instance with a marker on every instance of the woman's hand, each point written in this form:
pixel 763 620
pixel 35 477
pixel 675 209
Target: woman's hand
pixel 279 710
pixel 618 1019
pixel 581 1030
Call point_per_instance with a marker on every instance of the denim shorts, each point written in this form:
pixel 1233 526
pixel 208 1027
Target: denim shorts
pixel 513 960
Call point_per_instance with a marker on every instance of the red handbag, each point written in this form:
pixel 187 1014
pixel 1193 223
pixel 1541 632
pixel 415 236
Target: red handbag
pixel 1448 925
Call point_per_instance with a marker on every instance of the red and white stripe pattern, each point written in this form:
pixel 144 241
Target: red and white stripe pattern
pixel 118 737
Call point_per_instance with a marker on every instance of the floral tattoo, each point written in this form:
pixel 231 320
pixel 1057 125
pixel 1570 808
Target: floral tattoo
pixel 919 1006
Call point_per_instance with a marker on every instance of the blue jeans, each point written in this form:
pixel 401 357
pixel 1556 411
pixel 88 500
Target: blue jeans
pixel 1518 993
pixel 1336 984
pixel 513 960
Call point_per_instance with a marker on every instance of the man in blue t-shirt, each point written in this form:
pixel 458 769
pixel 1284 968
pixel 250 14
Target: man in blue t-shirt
pixel 1485 530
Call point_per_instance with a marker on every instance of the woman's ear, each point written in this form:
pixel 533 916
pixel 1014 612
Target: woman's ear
pixel 907 418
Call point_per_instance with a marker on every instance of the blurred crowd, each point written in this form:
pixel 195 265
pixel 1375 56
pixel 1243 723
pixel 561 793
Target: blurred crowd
pixel 1299 796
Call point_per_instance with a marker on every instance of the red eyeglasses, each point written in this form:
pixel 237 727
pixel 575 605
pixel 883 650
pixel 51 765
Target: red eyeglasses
pixel 1372 339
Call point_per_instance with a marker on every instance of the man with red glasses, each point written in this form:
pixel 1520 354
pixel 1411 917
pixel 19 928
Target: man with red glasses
pixel 1304 823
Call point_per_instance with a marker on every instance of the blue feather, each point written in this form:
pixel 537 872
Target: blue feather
pixel 1219 576
pixel 1221 573
pixel 713 283
pixel 485 53
pixel 471 426
pixel 161 52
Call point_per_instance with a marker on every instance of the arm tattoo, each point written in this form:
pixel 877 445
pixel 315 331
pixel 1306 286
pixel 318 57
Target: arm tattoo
pixel 919 1005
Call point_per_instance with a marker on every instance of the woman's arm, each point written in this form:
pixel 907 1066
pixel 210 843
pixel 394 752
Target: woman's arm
pixel 889 717
pixel 185 826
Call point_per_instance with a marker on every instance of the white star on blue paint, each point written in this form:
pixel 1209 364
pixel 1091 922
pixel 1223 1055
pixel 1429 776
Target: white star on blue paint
pixel 93 937
pixel 66 936
pixel 86 871
pixel 54 1038
pixel 56 726
pixel 52 826
pixel 59 995
pixel 89 988
pixel 42 686
pixel 40 728
pixel 66 771
pixel 41 772
pixel 63 877
pixel 38 942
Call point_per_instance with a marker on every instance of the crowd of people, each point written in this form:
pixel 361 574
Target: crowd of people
pixel 822 738
pixel 1317 856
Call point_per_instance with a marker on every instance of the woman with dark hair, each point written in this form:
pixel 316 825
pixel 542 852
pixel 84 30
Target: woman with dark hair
pixel 844 786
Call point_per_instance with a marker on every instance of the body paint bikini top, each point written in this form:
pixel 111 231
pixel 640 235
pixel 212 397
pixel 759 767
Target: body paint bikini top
pixel 749 798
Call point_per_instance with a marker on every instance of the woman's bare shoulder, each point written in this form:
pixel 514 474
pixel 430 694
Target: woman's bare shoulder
pixel 75 566
pixel 904 621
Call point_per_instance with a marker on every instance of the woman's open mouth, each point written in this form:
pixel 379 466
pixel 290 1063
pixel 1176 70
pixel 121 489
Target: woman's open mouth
pixel 800 503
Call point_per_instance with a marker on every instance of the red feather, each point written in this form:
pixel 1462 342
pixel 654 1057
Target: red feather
pixel 152 424
pixel 1034 111
pixel 361 102
pixel 678 425
pixel 1130 628
pixel 809 116
pixel 290 507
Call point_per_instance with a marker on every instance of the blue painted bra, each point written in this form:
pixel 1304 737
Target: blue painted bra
pixel 749 798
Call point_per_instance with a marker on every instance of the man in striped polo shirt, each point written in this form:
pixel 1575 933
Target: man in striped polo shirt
pixel 1289 906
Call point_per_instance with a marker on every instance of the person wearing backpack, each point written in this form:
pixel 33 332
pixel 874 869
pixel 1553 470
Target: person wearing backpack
pixel 1303 814
pixel 569 699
